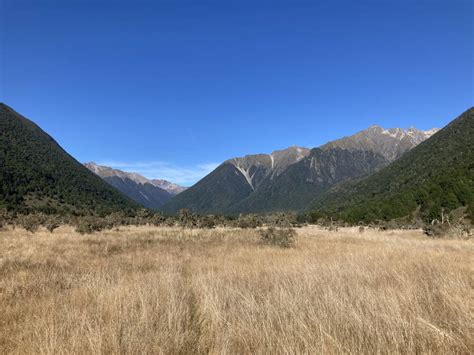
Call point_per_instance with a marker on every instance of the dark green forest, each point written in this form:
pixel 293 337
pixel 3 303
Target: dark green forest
pixel 36 174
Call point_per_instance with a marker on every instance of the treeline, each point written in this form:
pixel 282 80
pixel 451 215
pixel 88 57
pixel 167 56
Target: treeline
pixel 451 224
pixel 86 224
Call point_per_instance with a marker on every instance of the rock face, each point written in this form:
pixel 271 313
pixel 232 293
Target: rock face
pixel 234 180
pixel 390 143
pixel 36 174
pixel 291 179
pixel 172 188
pixel 363 153
pixel 140 189
pixel 435 176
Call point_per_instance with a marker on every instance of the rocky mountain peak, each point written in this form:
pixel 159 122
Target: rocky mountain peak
pixel 390 143
pixel 107 172
pixel 172 188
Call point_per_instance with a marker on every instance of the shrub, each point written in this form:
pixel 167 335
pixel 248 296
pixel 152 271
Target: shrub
pixel 458 230
pixel 207 222
pixel 52 223
pixel 30 222
pixel 249 221
pixel 283 238
pixel 89 225
pixel 157 219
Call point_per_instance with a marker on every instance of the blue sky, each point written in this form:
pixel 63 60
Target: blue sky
pixel 171 88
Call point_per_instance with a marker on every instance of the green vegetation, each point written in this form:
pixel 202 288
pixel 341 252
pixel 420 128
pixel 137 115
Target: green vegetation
pixel 36 174
pixel 225 182
pixel 301 184
pixel 429 182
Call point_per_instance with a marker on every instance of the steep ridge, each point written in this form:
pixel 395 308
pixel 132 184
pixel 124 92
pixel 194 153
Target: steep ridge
pixel 292 179
pixel 36 174
pixel 437 175
pixel 133 185
pixel 172 188
pixel 234 180
pixel 344 159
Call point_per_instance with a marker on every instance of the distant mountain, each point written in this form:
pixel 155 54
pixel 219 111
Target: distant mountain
pixel 234 180
pixel 172 188
pixel 344 159
pixel 292 179
pixel 390 143
pixel 438 174
pixel 36 174
pixel 147 193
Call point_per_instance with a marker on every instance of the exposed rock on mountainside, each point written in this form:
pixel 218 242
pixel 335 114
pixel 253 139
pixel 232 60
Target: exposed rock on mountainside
pixel 146 192
pixel 36 174
pixel 436 176
pixel 172 188
pixel 390 143
pixel 344 159
pixel 293 178
pixel 234 180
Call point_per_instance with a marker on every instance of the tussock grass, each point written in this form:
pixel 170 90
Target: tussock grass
pixel 170 290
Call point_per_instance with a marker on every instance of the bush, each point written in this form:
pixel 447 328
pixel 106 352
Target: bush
pixel 30 222
pixel 458 230
pixel 89 225
pixel 283 238
pixel 207 222
pixel 249 221
pixel 52 223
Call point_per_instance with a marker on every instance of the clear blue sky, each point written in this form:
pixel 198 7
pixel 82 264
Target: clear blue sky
pixel 170 88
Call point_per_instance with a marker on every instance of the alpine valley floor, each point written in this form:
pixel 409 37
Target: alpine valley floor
pixel 170 290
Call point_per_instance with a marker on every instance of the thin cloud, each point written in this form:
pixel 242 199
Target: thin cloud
pixel 183 175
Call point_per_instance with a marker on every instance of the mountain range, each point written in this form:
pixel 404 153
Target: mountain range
pixel 148 193
pixel 293 178
pixel 36 174
pixel 375 174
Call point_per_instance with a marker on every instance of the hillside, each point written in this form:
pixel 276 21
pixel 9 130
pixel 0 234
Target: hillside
pixel 234 180
pixel 292 179
pixel 438 174
pixel 297 187
pixel 36 174
pixel 344 159
pixel 133 185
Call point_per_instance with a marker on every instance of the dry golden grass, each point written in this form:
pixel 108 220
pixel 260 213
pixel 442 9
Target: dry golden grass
pixel 159 290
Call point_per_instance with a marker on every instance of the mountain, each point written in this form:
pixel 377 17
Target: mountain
pixel 234 180
pixel 171 188
pixel 390 143
pixel 341 160
pixel 436 175
pixel 292 179
pixel 36 174
pixel 133 185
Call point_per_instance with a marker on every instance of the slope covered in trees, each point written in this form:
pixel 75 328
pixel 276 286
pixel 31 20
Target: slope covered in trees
pixel 36 174
pixel 436 176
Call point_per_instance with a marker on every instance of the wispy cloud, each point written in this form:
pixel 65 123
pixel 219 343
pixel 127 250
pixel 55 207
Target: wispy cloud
pixel 183 175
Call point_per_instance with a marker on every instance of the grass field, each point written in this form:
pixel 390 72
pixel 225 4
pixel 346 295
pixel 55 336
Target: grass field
pixel 163 290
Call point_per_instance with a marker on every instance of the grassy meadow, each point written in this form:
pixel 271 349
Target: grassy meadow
pixel 221 291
